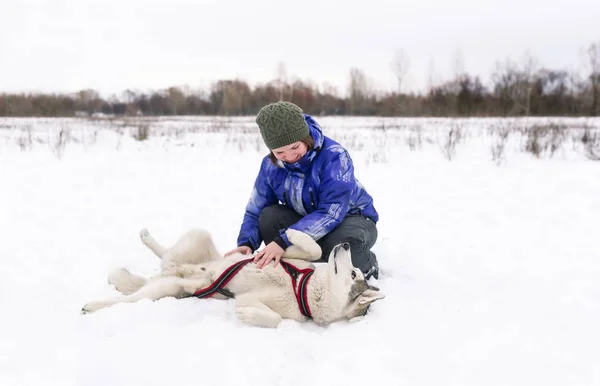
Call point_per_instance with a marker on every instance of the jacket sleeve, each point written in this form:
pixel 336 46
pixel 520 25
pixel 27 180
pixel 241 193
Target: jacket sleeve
pixel 337 184
pixel 261 197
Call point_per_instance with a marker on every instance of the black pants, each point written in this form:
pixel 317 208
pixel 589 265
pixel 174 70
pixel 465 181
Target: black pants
pixel 359 231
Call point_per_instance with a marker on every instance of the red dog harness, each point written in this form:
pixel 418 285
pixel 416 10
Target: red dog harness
pixel 299 287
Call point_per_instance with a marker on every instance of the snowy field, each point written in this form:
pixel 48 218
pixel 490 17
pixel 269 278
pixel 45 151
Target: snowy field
pixel 488 246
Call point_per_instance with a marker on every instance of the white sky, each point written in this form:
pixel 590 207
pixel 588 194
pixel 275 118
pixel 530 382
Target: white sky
pixel 112 45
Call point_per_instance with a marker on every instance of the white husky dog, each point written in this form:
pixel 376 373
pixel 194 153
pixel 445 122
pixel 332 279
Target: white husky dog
pixel 326 292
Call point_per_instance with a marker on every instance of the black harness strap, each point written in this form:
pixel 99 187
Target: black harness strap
pixel 222 280
pixel 300 289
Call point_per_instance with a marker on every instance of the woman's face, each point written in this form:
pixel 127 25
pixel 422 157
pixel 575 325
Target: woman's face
pixel 291 153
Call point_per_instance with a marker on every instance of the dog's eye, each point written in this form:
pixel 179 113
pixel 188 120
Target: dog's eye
pixel 353 275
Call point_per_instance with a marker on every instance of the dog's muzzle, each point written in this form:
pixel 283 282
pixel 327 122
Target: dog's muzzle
pixel 336 249
pixel 344 246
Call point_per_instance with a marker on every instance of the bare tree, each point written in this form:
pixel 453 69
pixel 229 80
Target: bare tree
pixel 231 97
pixel 432 75
pixel 400 67
pixel 130 96
pixel 593 52
pixel 87 100
pixel 458 64
pixel 507 86
pixel 281 77
pixel 530 66
pixel 176 99
pixel 232 101
pixel 358 90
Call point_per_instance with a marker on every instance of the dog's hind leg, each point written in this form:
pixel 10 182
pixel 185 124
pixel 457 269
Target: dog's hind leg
pixel 152 244
pixel 194 247
pixel 252 311
pixel 162 287
pixel 125 282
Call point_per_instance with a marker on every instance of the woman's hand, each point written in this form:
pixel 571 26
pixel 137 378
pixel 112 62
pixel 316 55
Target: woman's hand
pixel 244 250
pixel 271 252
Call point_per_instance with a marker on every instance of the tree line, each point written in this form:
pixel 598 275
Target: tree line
pixel 516 89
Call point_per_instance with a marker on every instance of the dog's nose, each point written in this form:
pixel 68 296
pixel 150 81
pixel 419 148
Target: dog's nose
pixel 346 246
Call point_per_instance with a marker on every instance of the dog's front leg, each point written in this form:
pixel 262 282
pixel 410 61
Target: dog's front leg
pixel 252 311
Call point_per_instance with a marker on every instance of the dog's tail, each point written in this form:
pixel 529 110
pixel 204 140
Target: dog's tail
pixel 126 282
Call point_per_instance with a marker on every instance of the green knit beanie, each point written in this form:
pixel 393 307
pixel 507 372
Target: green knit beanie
pixel 281 124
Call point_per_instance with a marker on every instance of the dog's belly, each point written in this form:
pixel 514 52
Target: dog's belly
pixel 271 286
pixel 252 279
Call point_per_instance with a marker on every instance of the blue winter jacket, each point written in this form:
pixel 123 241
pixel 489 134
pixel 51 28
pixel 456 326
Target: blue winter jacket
pixel 321 187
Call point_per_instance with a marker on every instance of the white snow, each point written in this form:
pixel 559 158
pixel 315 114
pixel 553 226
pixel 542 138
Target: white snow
pixel 491 267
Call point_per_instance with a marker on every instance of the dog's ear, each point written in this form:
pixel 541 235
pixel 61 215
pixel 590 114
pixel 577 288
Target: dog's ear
pixel 363 302
pixel 369 296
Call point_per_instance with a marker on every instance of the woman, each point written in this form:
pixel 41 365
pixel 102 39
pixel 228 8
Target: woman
pixel 306 183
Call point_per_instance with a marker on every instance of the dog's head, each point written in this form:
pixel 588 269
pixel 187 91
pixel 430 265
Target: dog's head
pixel 348 283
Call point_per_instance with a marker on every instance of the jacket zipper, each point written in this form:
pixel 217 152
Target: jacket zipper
pixel 312 199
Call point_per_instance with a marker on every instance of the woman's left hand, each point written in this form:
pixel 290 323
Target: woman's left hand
pixel 271 252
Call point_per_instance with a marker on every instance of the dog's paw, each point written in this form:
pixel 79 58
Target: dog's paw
pixel 246 314
pixel 90 307
pixel 257 317
pixel 306 245
pixel 145 236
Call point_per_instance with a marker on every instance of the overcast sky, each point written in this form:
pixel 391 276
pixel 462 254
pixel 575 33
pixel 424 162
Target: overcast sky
pixel 112 45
